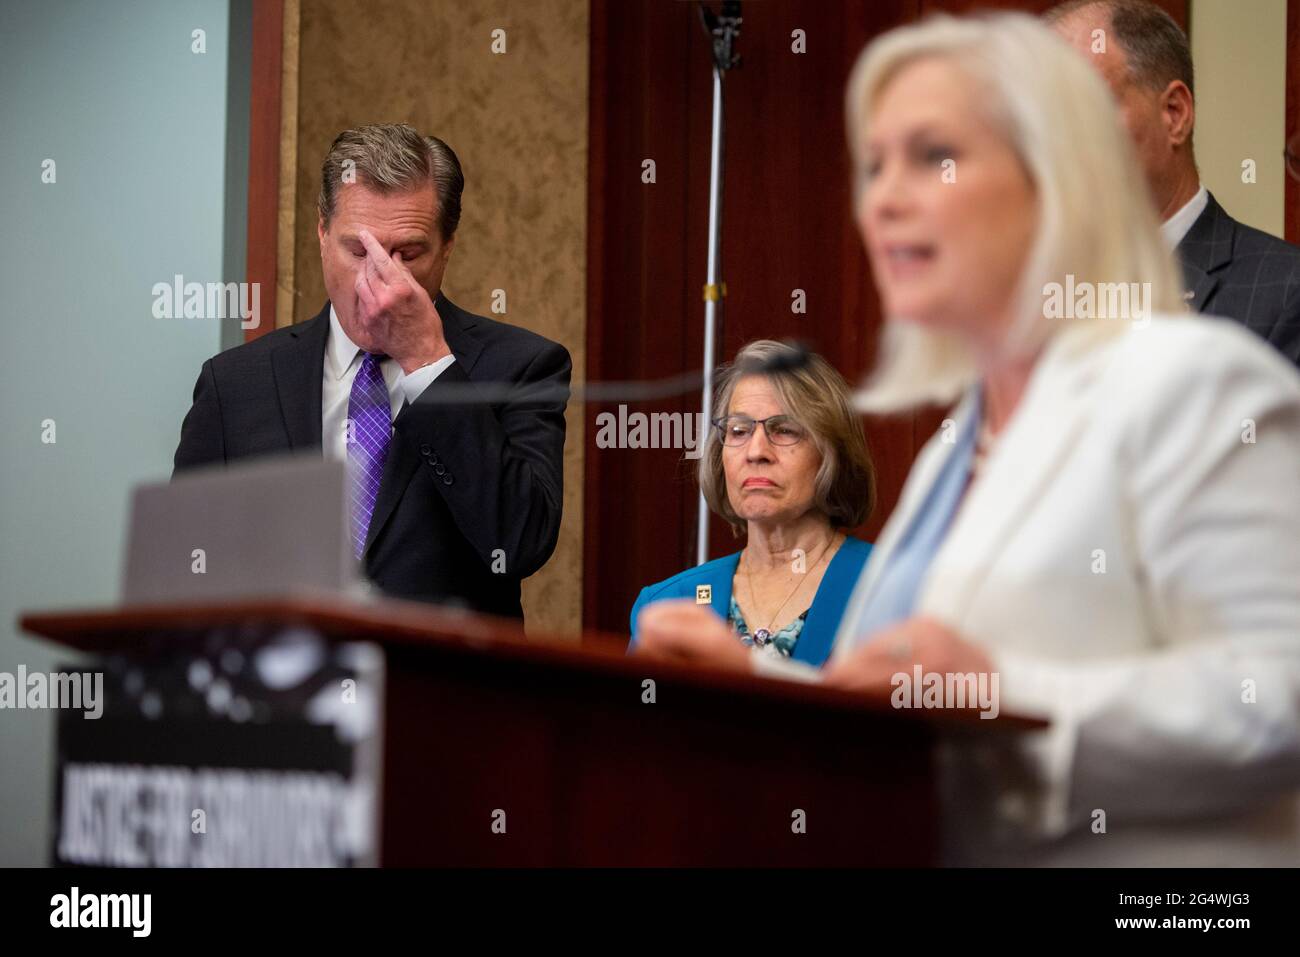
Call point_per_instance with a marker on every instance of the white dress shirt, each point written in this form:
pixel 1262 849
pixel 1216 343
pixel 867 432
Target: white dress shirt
pixel 1177 225
pixel 342 360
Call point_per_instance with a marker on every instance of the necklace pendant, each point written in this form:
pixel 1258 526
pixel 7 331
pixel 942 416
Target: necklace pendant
pixel 762 637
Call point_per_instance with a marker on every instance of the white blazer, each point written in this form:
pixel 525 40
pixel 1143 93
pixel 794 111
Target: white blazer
pixel 1130 560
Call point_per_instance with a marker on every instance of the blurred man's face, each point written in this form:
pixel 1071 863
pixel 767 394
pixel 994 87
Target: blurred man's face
pixel 405 224
pixel 1142 108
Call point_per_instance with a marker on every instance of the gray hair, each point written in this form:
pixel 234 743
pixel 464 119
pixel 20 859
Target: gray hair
pixel 393 158
pixel 1154 45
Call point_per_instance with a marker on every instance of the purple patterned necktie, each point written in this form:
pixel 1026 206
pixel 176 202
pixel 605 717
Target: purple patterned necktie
pixel 370 413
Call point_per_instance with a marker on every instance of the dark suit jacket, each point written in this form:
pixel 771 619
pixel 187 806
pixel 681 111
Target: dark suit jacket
pixel 1242 273
pixel 463 478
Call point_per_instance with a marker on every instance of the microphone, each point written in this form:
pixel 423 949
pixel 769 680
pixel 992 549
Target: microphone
pixel 723 29
pixel 795 355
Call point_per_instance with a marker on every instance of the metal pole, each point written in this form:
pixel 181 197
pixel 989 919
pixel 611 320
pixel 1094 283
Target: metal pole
pixel 712 299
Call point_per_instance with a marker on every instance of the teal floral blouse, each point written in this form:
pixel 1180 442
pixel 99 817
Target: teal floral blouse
pixel 780 644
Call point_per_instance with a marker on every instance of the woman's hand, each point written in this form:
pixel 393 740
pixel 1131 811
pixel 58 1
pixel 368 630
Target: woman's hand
pixel 680 630
pixel 917 641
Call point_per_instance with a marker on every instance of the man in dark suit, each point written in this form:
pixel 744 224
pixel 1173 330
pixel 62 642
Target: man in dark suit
pixel 1233 270
pixel 452 424
pixel 1229 268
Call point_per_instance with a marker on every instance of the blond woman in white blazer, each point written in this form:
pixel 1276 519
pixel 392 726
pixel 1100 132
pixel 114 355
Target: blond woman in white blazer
pixel 1109 521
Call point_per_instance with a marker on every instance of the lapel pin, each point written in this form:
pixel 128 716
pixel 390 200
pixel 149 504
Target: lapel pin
pixel 703 594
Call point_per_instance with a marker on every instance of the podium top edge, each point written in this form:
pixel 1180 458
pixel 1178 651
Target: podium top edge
pixel 409 625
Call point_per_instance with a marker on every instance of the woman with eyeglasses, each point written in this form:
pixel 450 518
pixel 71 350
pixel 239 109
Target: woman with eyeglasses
pixel 786 465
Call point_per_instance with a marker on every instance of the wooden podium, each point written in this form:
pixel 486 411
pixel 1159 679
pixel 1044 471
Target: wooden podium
pixel 502 749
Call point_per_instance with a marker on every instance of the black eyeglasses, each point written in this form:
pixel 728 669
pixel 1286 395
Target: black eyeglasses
pixel 780 429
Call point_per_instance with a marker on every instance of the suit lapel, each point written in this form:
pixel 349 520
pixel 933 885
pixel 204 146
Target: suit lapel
pixel 460 330
pixel 401 465
pixel 1031 453
pixel 1205 250
pixel 1200 285
pixel 399 469
pixel 916 490
pixel 298 367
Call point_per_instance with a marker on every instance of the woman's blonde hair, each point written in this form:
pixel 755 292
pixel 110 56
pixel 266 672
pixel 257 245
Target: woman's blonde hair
pixel 1096 220
pixel 818 398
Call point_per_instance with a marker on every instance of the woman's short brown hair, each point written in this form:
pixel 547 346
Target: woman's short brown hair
pixel 818 398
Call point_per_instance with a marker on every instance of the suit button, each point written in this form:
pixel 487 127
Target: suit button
pixel 425 449
pixel 440 469
pixel 446 480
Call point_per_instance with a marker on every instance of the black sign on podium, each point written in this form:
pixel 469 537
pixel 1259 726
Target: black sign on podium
pixel 250 749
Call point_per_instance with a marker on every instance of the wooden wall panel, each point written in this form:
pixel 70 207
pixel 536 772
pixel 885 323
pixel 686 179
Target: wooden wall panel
pixel 1292 188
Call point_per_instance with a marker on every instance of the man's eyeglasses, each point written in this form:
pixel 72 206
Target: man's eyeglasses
pixel 1292 156
pixel 780 429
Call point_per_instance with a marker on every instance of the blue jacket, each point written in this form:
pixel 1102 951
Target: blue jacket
pixel 814 644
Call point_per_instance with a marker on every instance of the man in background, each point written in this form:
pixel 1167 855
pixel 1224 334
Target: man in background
pixel 455 494
pixel 1229 269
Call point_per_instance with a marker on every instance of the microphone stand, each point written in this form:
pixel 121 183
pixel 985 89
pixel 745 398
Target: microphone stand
pixel 723 30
